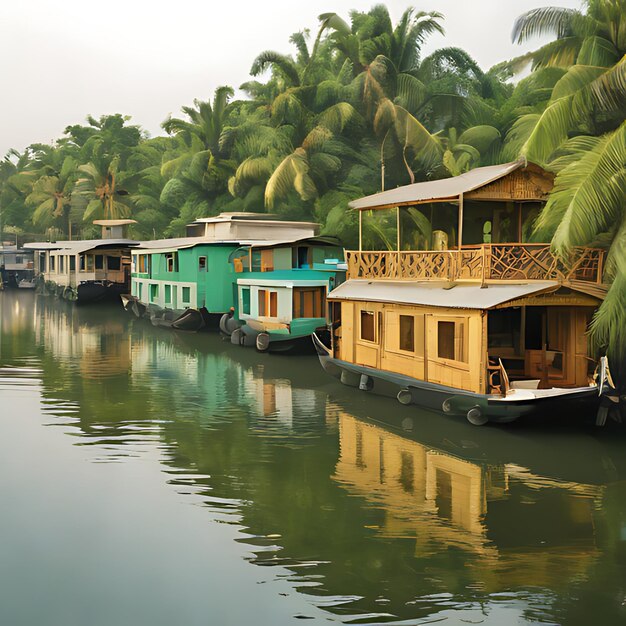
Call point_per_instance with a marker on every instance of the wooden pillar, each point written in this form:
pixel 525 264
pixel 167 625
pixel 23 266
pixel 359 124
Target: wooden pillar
pixel 460 229
pixel 398 270
pixel 522 332
pixel 360 230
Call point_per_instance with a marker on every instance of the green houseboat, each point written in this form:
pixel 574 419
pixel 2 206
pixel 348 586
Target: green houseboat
pixel 189 283
pixel 281 292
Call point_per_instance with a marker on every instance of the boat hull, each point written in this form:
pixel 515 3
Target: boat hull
pixel 477 408
pixel 276 343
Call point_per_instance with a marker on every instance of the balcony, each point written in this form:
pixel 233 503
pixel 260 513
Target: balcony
pixel 487 262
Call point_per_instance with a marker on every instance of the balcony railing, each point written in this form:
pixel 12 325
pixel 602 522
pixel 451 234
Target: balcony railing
pixel 480 263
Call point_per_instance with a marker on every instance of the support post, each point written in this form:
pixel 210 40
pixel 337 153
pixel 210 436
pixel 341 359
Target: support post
pixel 460 228
pixel 398 270
pixel 360 230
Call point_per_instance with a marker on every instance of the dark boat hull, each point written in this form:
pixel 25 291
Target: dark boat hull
pixel 477 408
pixel 90 292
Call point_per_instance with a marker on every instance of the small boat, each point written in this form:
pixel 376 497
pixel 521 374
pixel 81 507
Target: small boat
pixel 133 305
pixel 191 320
pixel 162 319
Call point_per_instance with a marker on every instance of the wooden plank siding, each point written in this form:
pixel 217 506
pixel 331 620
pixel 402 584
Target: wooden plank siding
pixel 424 361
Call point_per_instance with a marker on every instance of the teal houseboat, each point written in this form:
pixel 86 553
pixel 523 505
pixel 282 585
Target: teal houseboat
pixel 281 292
pixel 189 283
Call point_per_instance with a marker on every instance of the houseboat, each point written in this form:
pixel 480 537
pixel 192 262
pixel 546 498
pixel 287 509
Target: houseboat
pixel 16 266
pixel 189 283
pixel 281 292
pixel 86 271
pixel 480 322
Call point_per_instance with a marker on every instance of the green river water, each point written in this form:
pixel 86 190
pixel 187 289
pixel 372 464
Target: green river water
pixel 154 478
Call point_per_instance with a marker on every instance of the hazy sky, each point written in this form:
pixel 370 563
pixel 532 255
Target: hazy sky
pixel 64 59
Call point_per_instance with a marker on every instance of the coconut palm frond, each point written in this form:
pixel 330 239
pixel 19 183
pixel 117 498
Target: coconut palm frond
pixel 291 173
pixel 554 21
pixel 278 62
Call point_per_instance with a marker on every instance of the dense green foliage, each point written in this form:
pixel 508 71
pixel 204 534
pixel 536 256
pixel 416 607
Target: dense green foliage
pixel 358 107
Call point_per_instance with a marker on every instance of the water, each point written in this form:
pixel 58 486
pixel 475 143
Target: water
pixel 151 478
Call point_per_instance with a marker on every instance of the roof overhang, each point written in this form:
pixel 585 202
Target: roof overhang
pixel 443 190
pixel 439 293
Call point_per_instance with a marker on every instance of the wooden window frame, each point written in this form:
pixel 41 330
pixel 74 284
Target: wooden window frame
pixel 376 333
pixel 267 303
pixel 412 351
pixel 459 322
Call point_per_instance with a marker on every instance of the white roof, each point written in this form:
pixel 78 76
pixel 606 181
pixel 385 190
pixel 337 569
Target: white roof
pixel 114 222
pixel 171 245
pixel 79 246
pixel 445 188
pixel 438 293
pixel 260 218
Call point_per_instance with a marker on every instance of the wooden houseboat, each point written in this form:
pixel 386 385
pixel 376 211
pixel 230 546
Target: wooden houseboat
pixel 281 292
pixel 86 271
pixel 481 323
pixel 189 283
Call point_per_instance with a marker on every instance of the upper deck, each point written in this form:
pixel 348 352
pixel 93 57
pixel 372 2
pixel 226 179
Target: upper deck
pixel 480 263
pixel 474 228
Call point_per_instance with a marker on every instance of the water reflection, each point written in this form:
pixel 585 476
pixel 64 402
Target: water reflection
pixel 373 511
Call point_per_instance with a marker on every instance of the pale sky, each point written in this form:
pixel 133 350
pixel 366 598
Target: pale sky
pixel 64 59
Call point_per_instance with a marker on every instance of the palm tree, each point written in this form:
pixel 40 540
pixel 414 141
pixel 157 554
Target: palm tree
pixel 581 134
pixel 51 197
pixel 590 97
pixel 205 123
pixel 105 190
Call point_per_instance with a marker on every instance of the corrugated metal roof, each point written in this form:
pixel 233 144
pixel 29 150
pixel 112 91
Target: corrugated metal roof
pixel 439 294
pixel 437 189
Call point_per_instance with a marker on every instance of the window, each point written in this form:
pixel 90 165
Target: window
pixel 267 260
pixel 51 263
pixel 202 264
pixel 186 295
pixel 99 261
pixel 168 294
pixel 262 302
pixel 154 293
pixel 140 290
pixel 368 326
pixel 245 300
pixel 273 304
pixel 86 263
pixel 268 303
pixel 142 264
pixel 61 264
pixel 72 263
pixel 171 262
pixel 114 263
pixel 308 302
pixel 451 341
pixel 407 333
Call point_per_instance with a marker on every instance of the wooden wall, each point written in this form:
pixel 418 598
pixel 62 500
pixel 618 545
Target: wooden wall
pixel 424 362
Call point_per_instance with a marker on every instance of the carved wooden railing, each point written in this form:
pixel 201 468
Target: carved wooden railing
pixel 479 263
